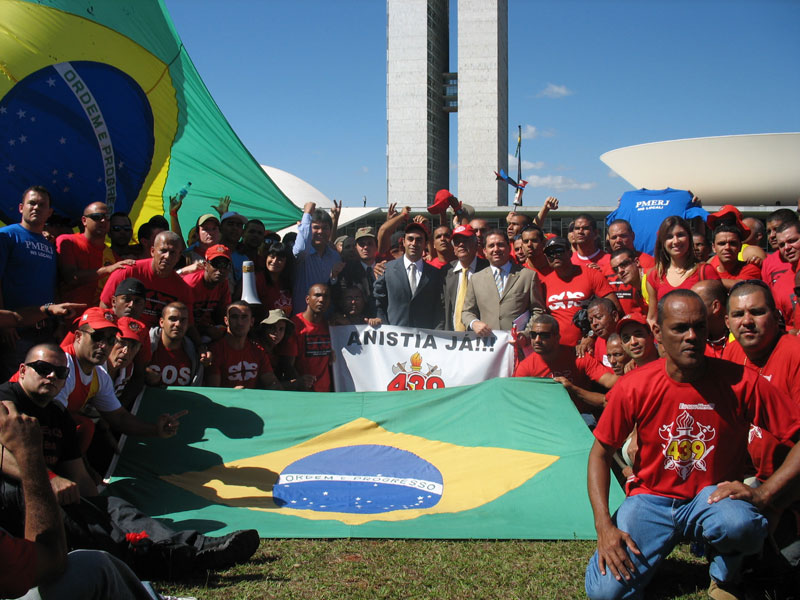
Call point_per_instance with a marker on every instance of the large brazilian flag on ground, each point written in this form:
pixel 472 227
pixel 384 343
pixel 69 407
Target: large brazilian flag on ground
pixel 502 459
pixel 99 101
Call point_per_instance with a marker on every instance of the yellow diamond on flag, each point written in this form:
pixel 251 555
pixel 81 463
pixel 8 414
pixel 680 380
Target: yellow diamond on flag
pixel 360 472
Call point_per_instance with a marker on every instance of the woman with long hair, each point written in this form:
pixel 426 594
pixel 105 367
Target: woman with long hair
pixel 274 284
pixel 676 265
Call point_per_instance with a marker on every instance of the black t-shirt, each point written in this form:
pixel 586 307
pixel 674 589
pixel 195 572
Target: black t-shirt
pixel 59 439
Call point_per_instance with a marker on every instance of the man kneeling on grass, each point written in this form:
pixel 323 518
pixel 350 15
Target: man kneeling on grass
pixel 693 415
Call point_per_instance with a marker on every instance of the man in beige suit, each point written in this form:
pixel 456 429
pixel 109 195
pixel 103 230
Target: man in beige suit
pixel 498 295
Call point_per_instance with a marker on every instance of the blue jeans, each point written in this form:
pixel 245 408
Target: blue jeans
pixel 732 528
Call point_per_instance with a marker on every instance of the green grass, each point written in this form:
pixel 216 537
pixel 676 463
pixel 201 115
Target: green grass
pixel 367 569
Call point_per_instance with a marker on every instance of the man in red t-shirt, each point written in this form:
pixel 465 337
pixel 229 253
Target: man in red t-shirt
pixel 577 374
pixel 727 243
pixel 569 287
pixel 587 252
pixel 714 295
pixel 313 339
pixel 210 292
pixel 637 339
pixel 619 234
pixel 692 415
pixel 162 283
pixel 626 281
pixel 533 241
pixel 174 360
pixel 238 362
pixel 603 316
pixel 788 238
pixel 80 257
pixel 442 247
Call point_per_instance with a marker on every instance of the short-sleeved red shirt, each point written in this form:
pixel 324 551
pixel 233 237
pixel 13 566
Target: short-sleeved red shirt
pixel 174 366
pixel 584 261
pixel 160 291
pixel 692 435
pixel 747 271
pixel 785 298
pixel 772 266
pixel 663 287
pixel 313 351
pixel 76 251
pixel 273 296
pixel 207 300
pixel 580 371
pixel 239 367
pixel 563 298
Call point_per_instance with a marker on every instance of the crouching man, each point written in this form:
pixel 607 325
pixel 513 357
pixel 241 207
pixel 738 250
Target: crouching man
pixel 692 414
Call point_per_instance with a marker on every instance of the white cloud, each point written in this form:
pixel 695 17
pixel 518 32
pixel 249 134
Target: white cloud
pixel 527 165
pixel 554 91
pixel 365 169
pixel 612 173
pixel 530 132
pixel 558 182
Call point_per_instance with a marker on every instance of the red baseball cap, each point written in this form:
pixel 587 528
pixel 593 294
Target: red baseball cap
pixel 132 329
pixel 218 250
pixel 465 230
pixel 420 226
pixel 99 318
pixel 633 318
pixel 442 201
pixel 728 209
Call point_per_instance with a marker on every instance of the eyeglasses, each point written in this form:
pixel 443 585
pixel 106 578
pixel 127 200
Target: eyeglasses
pixel 118 228
pixel 45 369
pixel 97 217
pixel 545 335
pixel 623 265
pixel 102 337
pixel 220 263
pixel 554 251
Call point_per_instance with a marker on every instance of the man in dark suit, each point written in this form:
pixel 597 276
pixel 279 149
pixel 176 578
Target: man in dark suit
pixel 458 274
pixel 498 295
pixel 409 293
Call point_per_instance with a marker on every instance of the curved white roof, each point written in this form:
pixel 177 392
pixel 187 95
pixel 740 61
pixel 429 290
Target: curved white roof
pixel 733 169
pixel 296 189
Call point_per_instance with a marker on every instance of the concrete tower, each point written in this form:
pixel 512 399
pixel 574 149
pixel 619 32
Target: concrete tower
pixel 482 101
pixel 418 130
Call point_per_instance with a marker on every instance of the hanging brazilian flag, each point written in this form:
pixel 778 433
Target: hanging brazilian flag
pixel 99 101
pixel 502 459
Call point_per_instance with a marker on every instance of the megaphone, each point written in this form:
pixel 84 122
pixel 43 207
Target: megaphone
pixel 249 294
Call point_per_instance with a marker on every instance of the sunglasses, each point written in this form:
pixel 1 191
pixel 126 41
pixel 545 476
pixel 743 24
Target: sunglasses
pixel 545 335
pixel 623 265
pixel 97 217
pixel 99 337
pixel 45 369
pixel 553 252
pixel 220 263
pixel 118 228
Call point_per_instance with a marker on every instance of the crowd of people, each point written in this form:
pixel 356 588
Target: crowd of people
pixel 683 362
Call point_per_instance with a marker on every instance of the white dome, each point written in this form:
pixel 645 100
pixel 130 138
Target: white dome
pixel 296 189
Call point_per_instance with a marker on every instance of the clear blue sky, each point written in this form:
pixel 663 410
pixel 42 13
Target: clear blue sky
pixel 303 83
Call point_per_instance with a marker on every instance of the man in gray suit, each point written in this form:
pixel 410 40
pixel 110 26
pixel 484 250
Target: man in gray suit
pixel 498 295
pixel 409 293
pixel 458 274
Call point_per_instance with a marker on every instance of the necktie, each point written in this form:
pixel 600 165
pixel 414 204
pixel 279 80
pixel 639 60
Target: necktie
pixel 412 277
pixel 498 281
pixel 462 293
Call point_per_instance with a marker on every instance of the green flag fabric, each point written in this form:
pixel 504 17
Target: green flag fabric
pixel 505 459
pixel 99 101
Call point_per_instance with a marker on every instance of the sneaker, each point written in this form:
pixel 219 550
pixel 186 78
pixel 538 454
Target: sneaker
pixel 228 550
pixel 724 591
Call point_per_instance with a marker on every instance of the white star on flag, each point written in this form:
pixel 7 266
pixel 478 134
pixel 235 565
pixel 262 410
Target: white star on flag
pixel 62 141
pixel 69 175
pixel 51 82
pixel 10 168
pixel 11 142
pixel 20 113
pixel 3 110
pixel 23 139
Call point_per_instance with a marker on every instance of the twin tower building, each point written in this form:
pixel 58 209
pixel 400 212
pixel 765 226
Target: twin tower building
pixel 423 92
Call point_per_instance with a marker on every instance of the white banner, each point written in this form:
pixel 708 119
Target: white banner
pixel 405 358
